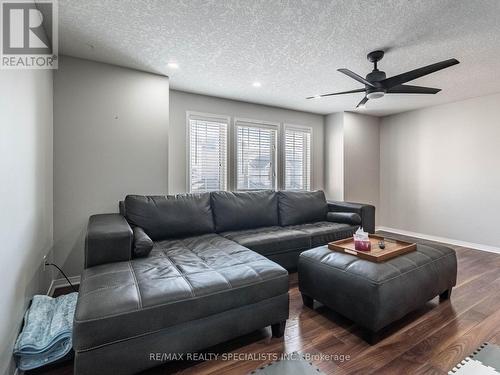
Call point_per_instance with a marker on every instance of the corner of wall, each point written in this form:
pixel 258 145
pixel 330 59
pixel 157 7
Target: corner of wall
pixel 334 156
pixel 117 114
pixel 26 218
pixel 352 157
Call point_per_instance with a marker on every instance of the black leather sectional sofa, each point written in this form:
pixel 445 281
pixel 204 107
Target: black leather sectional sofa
pixel 181 273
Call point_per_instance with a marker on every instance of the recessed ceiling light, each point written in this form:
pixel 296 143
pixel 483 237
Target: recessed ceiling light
pixel 317 97
pixel 173 65
pixel 256 84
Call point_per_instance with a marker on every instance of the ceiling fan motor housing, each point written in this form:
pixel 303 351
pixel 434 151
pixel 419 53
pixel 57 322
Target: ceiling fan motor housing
pixel 375 76
pixel 377 91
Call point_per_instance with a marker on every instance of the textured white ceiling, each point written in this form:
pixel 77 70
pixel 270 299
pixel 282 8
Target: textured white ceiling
pixel 292 47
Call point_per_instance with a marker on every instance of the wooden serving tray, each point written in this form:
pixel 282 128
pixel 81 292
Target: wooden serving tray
pixel 393 248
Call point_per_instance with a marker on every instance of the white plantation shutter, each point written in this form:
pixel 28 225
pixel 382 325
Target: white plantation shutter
pixel 255 156
pixel 297 158
pixel 207 153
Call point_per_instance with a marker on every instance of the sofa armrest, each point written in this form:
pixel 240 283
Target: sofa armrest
pixel 366 211
pixel 350 218
pixel 109 239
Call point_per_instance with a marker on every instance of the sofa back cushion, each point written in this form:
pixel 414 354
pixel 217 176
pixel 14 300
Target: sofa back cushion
pixel 244 210
pixel 170 216
pixel 298 207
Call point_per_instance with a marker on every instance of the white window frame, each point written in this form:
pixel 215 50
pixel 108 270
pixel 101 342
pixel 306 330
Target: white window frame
pixel 275 157
pixel 302 128
pixel 208 117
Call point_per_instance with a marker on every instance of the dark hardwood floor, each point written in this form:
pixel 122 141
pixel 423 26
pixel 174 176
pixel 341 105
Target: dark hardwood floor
pixel 428 341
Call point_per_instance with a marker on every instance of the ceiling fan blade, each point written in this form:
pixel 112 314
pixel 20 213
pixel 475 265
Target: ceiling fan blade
pixel 355 76
pixel 336 93
pixel 414 74
pixel 362 102
pixel 409 89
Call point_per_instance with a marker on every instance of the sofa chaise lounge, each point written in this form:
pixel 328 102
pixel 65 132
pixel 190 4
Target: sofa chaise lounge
pixel 178 274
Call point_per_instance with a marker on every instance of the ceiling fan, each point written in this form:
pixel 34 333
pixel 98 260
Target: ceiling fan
pixel 377 85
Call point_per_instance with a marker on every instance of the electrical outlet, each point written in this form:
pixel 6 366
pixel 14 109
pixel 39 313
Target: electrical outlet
pixel 44 261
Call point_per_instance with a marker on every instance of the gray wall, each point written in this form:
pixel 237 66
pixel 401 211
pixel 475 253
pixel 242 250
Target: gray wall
pixel 440 171
pixel 25 197
pixel 110 139
pixel 180 102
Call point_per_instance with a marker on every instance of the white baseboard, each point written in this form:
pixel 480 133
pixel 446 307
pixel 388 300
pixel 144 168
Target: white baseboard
pixel 471 245
pixel 59 283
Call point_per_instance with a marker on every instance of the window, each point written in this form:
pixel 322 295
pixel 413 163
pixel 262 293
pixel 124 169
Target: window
pixel 207 153
pixel 297 144
pixel 255 155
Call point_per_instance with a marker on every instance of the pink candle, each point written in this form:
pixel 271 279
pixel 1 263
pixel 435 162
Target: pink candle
pixel 362 245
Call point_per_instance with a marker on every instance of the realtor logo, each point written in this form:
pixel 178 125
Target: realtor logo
pixel 29 34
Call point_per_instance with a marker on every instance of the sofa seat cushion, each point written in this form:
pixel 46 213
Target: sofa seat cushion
pixel 180 281
pixel 271 240
pixel 323 232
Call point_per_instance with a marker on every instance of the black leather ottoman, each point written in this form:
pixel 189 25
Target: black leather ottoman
pixel 376 294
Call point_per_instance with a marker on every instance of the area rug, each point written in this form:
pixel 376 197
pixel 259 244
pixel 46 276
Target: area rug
pixel 484 361
pixel 293 364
